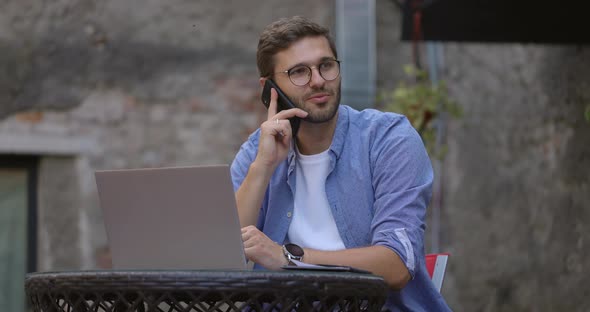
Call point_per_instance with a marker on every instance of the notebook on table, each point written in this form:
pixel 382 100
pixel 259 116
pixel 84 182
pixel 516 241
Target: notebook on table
pixel 171 218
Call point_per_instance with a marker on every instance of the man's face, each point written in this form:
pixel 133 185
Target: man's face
pixel 320 98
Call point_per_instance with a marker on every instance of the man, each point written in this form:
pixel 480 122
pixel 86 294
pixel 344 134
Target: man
pixel 351 188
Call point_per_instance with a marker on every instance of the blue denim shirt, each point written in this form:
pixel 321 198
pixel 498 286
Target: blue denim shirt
pixel 378 188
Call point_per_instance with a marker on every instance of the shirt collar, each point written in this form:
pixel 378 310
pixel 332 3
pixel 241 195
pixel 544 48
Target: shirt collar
pixel 338 139
pixel 341 130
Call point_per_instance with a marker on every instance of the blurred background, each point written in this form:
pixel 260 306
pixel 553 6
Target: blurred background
pixel 88 85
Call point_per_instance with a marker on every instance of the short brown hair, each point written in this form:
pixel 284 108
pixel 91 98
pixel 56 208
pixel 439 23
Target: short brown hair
pixel 279 35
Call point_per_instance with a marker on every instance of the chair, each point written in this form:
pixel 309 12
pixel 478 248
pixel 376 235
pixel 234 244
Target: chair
pixel 436 264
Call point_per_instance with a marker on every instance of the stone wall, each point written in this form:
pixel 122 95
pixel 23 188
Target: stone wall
pixel 119 84
pixel 517 184
pixel 516 180
pixel 54 54
pixel 125 84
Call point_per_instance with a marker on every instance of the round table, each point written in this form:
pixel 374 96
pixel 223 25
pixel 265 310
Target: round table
pixel 204 290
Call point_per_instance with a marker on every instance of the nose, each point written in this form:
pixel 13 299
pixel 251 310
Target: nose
pixel 316 81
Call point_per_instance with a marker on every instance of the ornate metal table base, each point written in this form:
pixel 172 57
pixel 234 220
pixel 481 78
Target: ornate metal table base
pixel 151 291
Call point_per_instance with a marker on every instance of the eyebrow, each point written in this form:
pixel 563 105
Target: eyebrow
pixel 323 59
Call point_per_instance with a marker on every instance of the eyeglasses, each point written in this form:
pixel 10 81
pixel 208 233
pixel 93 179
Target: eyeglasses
pixel 300 75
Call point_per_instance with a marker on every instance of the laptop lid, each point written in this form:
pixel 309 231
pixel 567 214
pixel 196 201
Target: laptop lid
pixel 171 218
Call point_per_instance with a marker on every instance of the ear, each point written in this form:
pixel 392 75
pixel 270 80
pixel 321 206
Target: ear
pixel 262 81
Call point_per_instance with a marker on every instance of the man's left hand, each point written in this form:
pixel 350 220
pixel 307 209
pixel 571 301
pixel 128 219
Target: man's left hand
pixel 262 250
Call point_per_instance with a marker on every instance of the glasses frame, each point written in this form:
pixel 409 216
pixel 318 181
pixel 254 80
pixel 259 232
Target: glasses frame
pixel 310 71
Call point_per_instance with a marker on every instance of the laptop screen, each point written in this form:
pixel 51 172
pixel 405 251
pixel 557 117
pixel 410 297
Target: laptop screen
pixel 171 218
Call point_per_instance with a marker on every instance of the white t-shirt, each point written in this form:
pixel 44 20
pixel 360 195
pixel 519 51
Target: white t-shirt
pixel 313 224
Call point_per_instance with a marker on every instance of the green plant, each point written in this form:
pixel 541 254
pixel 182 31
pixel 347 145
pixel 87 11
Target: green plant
pixel 587 113
pixel 421 103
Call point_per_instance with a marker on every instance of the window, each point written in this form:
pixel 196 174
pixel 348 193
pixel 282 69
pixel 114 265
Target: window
pixel 18 179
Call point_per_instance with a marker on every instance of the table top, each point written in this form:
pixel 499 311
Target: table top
pixel 204 290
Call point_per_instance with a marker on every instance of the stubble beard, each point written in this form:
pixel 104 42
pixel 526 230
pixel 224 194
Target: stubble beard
pixel 329 109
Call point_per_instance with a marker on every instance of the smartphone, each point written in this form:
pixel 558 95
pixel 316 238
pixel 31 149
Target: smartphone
pixel 283 102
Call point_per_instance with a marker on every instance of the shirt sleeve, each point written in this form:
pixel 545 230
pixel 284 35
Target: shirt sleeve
pixel 240 166
pixel 241 163
pixel 402 180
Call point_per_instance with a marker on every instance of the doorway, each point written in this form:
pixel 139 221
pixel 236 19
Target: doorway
pixel 18 230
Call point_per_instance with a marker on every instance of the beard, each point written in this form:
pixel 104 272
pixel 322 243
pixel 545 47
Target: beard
pixel 324 112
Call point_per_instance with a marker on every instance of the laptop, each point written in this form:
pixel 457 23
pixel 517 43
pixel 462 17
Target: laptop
pixel 171 218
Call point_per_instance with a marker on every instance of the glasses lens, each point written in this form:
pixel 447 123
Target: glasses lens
pixel 299 75
pixel 329 70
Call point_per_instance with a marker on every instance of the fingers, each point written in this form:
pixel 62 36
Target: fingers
pixel 248 232
pixel 252 236
pixel 283 127
pixel 292 112
pixel 249 228
pixel 272 107
pixel 280 123
pixel 279 128
pixel 273 110
pixel 260 249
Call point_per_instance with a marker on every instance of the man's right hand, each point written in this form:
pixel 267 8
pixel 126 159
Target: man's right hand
pixel 273 147
pixel 276 134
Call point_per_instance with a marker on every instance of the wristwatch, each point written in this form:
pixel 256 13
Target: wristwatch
pixel 293 252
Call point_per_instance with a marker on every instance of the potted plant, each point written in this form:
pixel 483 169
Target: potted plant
pixel 421 102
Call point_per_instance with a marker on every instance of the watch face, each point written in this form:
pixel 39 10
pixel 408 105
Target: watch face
pixel 294 250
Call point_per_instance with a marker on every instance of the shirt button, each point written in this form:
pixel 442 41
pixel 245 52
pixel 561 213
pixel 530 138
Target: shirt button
pixel 289 214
